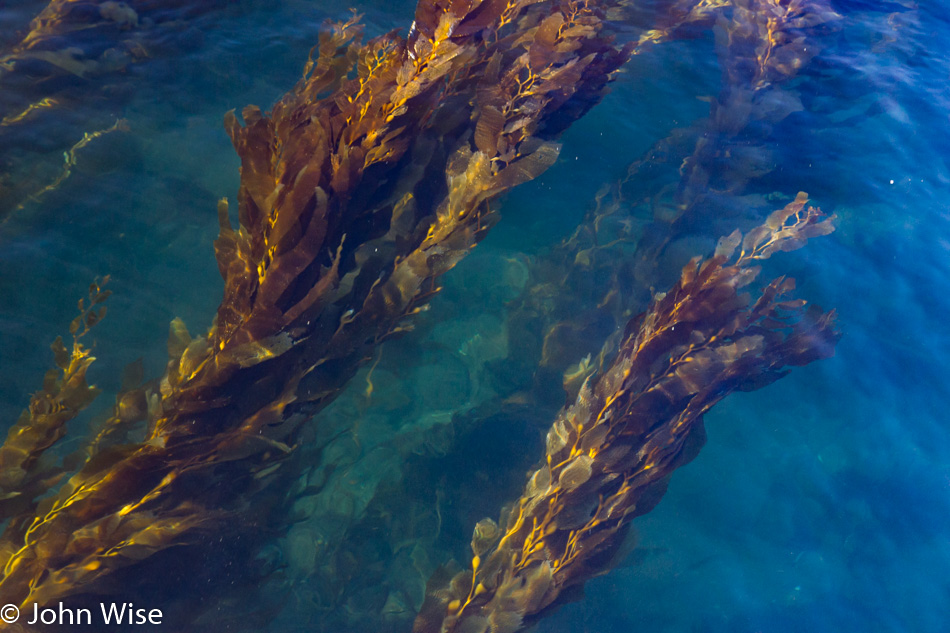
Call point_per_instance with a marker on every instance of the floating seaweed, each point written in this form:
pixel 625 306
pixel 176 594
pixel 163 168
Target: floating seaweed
pixel 762 46
pixel 375 175
pixel 342 236
pixel 610 454
pixel 694 182
pixel 25 475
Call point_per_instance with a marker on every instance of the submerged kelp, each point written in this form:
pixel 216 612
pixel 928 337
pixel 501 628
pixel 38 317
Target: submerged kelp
pixel 356 194
pixel 25 475
pixel 697 183
pixel 610 454
pixel 574 298
pixel 762 47
pixel 374 176
pixel 63 78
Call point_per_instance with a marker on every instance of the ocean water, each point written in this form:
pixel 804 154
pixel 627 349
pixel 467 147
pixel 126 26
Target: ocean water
pixel 820 503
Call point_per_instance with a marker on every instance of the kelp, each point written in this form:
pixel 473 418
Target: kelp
pixel 697 182
pixel 585 288
pixel 25 475
pixel 72 54
pixel 610 454
pixel 342 235
pixel 762 46
pixel 69 161
pixel 47 44
pixel 375 175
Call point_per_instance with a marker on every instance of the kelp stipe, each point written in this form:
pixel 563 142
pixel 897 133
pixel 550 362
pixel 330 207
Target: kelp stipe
pixel 610 454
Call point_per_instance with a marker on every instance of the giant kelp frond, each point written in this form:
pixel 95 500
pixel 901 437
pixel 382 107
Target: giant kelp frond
pixel 365 183
pixel 58 20
pixel 26 471
pixel 690 183
pixel 341 227
pixel 609 455
pixel 771 40
pixel 678 17
pixel 762 46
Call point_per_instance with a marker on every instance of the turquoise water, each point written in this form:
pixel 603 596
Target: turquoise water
pixel 820 503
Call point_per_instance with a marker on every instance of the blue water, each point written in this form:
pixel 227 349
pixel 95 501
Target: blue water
pixel 821 503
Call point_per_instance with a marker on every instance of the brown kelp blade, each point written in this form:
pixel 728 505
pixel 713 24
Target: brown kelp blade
pixel 610 454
